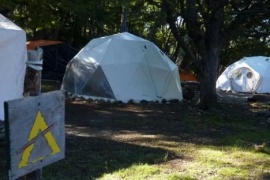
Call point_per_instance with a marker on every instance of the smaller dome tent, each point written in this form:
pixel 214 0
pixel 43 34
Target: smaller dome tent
pixel 122 67
pixel 249 75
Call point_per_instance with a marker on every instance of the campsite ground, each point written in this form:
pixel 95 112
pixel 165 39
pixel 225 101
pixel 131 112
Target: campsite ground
pixel 164 141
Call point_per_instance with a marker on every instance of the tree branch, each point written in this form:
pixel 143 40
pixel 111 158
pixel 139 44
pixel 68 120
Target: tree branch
pixel 244 19
pixel 171 21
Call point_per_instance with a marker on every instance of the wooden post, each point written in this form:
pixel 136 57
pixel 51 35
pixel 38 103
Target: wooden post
pixel 32 87
pixel 32 82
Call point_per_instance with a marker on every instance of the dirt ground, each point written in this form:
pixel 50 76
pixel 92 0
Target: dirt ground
pixel 108 121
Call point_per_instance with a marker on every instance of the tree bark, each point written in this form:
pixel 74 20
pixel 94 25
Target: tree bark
pixel 124 18
pixel 210 50
pixel 208 95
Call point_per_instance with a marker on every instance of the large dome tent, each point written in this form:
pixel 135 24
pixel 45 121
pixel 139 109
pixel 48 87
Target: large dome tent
pixel 122 67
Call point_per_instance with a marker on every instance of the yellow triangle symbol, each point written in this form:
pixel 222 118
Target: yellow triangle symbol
pixel 39 125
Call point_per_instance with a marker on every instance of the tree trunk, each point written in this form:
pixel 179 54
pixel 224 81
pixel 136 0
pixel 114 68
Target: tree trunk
pixel 208 39
pixel 124 17
pixel 210 49
pixel 208 95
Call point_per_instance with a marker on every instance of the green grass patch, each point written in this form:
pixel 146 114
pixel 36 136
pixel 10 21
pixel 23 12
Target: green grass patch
pixel 47 85
pixel 134 172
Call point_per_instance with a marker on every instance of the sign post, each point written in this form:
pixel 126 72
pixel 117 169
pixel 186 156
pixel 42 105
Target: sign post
pixel 32 87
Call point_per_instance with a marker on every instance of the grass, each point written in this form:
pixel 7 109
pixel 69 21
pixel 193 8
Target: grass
pixel 48 85
pixel 206 147
pixel 142 171
pixel 208 163
pixel 163 142
pixel 169 142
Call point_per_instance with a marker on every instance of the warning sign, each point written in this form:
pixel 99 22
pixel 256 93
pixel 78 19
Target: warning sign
pixel 40 126
pixel 36 132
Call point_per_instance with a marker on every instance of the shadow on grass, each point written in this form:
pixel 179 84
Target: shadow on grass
pixel 89 158
pixel 99 153
pixel 266 176
pixel 232 125
pixel 174 121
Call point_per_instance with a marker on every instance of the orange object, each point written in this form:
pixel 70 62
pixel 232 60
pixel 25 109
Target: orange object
pixel 187 76
pixel 31 45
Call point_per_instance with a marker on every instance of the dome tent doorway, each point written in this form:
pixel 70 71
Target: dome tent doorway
pixel 243 80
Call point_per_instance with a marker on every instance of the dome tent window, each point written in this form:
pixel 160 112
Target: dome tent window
pixel 249 75
pixel 238 75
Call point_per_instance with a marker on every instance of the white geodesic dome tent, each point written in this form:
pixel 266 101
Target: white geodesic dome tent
pixel 13 56
pixel 250 74
pixel 122 67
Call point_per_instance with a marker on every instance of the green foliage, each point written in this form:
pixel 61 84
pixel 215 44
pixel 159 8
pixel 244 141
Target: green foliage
pixel 244 47
pixel 79 21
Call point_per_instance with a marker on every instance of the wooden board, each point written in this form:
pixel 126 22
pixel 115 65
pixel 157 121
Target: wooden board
pixel 35 131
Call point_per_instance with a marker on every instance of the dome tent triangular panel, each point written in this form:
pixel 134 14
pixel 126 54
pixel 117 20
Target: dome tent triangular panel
pixel 250 74
pixel 135 85
pixel 132 67
pixel 119 49
pixel 86 79
pixel 98 85
pixel 13 61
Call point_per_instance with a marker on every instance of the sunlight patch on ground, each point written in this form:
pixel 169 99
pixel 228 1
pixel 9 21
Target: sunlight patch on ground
pixel 145 171
pixel 212 162
pixel 191 160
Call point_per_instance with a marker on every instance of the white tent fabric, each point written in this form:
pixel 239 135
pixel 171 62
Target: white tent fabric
pixel 13 56
pixel 122 67
pixel 250 74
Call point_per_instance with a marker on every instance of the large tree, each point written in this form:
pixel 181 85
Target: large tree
pixel 211 25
